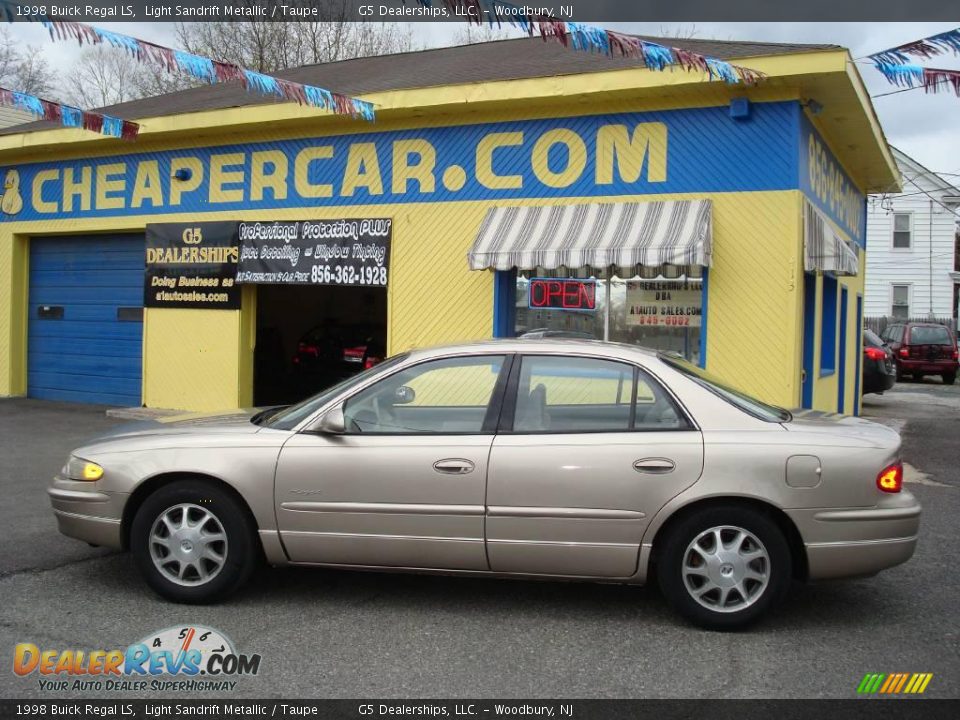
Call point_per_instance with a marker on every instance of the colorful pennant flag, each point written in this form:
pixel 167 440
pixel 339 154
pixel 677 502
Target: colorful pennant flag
pixel 590 38
pixel 932 80
pixel 926 48
pixel 69 116
pixel 201 68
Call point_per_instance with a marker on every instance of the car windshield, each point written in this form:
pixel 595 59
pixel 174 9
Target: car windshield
pixel 737 398
pixel 930 335
pixel 290 417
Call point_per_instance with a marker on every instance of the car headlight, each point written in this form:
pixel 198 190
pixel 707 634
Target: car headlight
pixel 80 469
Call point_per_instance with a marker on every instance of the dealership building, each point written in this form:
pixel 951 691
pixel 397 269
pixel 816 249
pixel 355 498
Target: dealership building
pixel 507 187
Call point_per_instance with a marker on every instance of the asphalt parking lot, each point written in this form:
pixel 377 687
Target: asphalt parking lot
pixel 338 634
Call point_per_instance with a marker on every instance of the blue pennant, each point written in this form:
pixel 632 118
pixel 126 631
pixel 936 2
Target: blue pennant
pixel 949 40
pixel 902 75
pixel 655 56
pixel 112 126
pixel 71 116
pixel 30 103
pixel 118 41
pixel 318 97
pixel 722 70
pixel 264 84
pixel 196 66
pixel 588 37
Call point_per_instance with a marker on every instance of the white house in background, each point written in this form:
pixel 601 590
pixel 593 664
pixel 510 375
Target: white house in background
pixel 14 116
pixel 912 268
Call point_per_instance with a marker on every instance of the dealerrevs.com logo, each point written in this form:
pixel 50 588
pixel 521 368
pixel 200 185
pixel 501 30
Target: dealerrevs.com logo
pixel 188 658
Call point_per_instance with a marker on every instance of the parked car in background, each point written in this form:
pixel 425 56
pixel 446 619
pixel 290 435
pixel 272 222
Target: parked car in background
pixel 923 349
pixel 338 350
pixel 879 367
pixel 541 458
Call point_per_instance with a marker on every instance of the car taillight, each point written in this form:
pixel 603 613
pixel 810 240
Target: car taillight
pixel 875 353
pixel 955 355
pixel 370 362
pixel 890 479
pixel 309 349
pixel 904 352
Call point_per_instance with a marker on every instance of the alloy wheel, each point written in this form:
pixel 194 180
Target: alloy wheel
pixel 726 569
pixel 188 544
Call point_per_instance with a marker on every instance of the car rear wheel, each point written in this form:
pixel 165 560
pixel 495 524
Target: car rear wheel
pixel 949 378
pixel 724 567
pixel 193 542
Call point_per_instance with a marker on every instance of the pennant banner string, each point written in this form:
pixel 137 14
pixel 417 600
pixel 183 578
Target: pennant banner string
pixel 590 38
pixel 202 68
pixel 932 80
pixel 925 48
pixel 69 116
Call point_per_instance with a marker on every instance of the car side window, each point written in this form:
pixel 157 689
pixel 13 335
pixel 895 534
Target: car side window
pixel 568 395
pixel 449 395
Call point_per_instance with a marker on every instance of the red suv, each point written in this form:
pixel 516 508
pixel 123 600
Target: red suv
pixel 923 349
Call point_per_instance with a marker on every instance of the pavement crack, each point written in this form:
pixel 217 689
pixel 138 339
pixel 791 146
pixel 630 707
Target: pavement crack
pixel 6 574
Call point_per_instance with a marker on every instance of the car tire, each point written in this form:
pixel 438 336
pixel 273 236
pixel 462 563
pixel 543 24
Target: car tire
pixel 754 554
pixel 949 378
pixel 213 554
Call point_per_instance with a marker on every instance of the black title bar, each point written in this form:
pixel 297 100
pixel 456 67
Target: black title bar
pixel 214 708
pixel 592 11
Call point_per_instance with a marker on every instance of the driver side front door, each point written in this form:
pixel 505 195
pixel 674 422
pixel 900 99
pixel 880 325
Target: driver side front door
pixel 405 485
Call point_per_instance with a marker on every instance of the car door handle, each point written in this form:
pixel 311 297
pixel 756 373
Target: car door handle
pixel 454 466
pixel 654 466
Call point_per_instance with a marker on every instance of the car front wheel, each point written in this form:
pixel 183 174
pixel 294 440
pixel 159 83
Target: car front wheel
pixel 193 542
pixel 724 567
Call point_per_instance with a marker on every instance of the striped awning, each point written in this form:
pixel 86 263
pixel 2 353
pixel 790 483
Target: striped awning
pixel 824 248
pixel 597 236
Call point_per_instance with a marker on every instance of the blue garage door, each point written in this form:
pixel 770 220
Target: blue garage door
pixel 86 319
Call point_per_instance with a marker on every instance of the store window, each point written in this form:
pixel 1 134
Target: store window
pixel 901 231
pixel 900 307
pixel 658 313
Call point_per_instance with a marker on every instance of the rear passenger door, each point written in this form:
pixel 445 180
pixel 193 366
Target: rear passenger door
pixel 589 449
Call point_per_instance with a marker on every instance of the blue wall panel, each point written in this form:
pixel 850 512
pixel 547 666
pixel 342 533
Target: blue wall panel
pixel 88 355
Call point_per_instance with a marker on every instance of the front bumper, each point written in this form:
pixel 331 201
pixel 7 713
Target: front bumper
pixel 86 513
pixel 859 541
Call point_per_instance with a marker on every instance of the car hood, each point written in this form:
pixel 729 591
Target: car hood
pixel 232 422
pixel 816 421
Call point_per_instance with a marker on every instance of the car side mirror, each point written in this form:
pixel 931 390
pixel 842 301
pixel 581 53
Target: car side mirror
pixel 332 422
pixel 404 395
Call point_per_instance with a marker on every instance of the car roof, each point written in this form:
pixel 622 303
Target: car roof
pixel 552 345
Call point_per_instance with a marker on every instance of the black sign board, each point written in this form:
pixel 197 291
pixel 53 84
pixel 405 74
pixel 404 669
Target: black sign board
pixel 192 265
pixel 316 252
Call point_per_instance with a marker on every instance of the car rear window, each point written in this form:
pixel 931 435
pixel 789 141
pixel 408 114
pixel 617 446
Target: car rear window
pixel 926 335
pixel 871 339
pixel 737 398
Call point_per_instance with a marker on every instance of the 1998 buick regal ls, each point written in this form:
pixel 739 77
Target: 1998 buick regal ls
pixel 560 459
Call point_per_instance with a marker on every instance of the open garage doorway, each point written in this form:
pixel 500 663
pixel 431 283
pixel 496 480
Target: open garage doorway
pixel 310 337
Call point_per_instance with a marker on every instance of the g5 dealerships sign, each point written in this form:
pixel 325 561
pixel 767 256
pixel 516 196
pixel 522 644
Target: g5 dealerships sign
pixel 192 266
pixel 316 252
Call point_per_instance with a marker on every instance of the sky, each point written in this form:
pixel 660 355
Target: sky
pixel 926 127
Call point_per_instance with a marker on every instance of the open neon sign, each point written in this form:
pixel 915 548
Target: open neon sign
pixel 563 294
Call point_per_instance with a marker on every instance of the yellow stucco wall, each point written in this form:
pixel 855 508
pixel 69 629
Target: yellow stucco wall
pixel 755 294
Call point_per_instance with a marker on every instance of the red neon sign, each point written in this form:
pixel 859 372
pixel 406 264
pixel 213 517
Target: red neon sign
pixel 557 294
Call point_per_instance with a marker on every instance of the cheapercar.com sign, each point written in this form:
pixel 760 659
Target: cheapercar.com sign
pixel 690 150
